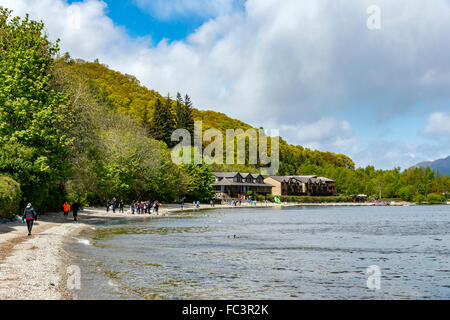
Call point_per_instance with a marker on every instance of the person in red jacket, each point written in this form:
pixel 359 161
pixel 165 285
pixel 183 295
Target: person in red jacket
pixel 30 215
pixel 66 209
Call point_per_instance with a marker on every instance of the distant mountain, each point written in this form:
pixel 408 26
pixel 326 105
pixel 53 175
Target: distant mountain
pixel 441 165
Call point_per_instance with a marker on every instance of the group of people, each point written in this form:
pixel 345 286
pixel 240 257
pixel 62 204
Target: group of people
pixel 143 207
pixel 236 203
pixel 75 207
pixel 114 204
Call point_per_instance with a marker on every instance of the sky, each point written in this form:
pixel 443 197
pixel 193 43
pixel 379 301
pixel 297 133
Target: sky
pixel 331 75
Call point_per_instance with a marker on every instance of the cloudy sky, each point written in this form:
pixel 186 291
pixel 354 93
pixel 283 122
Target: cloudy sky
pixel 311 68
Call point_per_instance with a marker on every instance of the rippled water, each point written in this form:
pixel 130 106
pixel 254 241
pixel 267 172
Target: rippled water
pixel 291 253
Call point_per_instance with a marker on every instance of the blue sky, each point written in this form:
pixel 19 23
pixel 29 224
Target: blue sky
pixel 312 68
pixel 140 23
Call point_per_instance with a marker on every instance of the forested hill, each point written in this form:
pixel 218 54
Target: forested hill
pixel 124 93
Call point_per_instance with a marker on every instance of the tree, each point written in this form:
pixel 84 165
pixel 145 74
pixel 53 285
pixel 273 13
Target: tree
pixel 184 117
pixel 10 196
pixel 179 111
pixel 33 118
pixel 200 180
pixel 163 123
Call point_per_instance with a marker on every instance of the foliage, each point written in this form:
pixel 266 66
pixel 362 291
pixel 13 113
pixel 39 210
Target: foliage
pixel 200 181
pixel 112 155
pixel 419 199
pixel 10 196
pixel 183 111
pixel 163 122
pixel 306 199
pixel 434 198
pixel 33 118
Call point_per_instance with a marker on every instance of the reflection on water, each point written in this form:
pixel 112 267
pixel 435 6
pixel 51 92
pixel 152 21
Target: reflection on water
pixel 291 253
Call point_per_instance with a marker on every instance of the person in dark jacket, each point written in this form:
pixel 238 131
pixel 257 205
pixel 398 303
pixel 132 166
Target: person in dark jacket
pixel 75 209
pixel 30 215
pixel 114 205
pixel 156 207
pixel 121 204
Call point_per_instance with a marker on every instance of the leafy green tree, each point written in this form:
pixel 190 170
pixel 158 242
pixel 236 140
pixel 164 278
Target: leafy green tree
pixel 435 198
pixel 33 118
pixel 10 196
pixel 200 180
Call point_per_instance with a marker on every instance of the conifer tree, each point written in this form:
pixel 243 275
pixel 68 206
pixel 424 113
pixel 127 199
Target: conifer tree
pixel 179 111
pixel 188 117
pixel 184 117
pixel 163 123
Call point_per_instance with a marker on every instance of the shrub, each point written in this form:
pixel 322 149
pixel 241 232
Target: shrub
pixel 10 197
pixel 270 197
pixel 419 198
pixel 435 198
pixel 308 199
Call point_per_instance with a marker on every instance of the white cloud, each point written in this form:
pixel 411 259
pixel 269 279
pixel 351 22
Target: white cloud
pixel 83 27
pixel 164 9
pixel 277 64
pixel 438 124
pixel 327 133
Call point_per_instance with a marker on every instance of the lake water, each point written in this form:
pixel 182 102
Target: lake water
pixel 290 253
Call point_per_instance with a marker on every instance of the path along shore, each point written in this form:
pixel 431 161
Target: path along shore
pixel 36 267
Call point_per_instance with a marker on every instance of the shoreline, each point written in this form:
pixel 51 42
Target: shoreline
pixel 35 267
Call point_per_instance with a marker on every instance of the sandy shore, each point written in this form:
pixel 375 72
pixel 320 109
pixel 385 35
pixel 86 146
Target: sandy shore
pixel 36 267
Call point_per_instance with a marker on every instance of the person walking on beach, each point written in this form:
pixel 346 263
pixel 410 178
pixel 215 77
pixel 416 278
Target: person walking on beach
pixel 133 206
pixel 75 209
pixel 156 206
pixel 66 209
pixel 121 206
pixel 114 205
pixel 138 208
pixel 30 215
pixel 108 204
pixel 150 206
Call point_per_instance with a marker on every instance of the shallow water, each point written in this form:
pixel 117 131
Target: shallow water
pixel 290 253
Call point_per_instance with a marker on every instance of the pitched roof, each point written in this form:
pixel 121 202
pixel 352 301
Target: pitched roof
pixel 226 174
pixel 226 182
pixel 303 179
pixel 246 174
